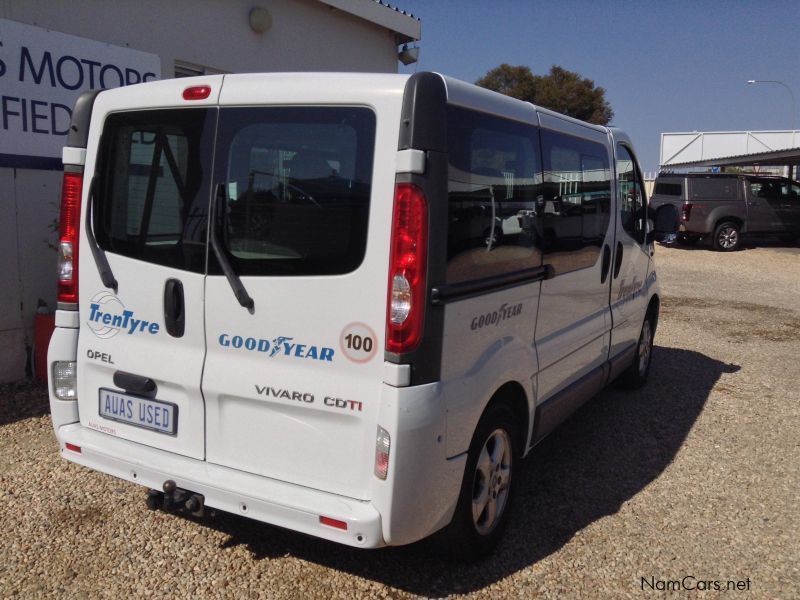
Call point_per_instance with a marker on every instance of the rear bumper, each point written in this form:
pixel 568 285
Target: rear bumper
pixel 417 498
pixel 276 502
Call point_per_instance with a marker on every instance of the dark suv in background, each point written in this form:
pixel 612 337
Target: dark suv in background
pixel 724 207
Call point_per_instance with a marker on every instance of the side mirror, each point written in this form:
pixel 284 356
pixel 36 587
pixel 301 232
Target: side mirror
pixel 665 223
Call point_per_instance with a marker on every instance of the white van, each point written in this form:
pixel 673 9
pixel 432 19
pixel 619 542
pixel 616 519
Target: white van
pixel 278 298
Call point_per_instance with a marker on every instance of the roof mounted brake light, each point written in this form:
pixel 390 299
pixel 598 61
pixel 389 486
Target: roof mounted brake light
pixel 197 92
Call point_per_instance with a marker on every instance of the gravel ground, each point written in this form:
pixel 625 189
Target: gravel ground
pixel 695 475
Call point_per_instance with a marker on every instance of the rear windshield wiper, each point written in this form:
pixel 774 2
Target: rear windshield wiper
pixel 216 245
pixel 106 275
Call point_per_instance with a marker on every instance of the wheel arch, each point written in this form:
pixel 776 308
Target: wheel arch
pixel 512 394
pixel 719 220
pixel 653 308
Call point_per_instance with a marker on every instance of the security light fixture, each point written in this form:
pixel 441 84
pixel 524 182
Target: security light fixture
pixel 260 19
pixel 408 55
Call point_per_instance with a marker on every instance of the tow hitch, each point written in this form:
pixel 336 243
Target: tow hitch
pixel 174 498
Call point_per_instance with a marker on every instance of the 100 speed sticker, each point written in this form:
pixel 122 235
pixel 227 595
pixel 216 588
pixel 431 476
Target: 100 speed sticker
pixel 358 342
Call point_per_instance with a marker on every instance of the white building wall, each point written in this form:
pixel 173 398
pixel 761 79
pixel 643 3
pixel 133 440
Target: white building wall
pixel 306 35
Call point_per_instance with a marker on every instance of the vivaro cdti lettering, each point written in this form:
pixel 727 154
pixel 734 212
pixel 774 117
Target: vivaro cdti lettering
pixel 262 274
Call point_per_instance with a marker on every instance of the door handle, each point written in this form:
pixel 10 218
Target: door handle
pixel 174 308
pixel 606 263
pixel 618 260
pixel 135 384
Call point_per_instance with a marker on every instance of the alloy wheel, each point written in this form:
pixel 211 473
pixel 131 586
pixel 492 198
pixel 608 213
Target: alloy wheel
pixel 491 481
pixel 645 347
pixel 728 237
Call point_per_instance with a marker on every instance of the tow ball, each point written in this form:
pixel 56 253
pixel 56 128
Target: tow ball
pixel 174 498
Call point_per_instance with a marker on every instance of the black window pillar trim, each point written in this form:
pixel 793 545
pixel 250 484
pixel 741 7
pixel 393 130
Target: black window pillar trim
pixel 423 126
pixel 453 292
pixel 78 135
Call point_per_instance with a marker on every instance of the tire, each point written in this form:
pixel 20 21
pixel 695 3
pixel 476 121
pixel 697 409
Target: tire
pixel 727 237
pixel 484 504
pixel 636 375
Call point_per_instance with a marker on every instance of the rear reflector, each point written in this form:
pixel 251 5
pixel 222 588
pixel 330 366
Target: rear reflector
pixel 197 92
pixel 333 523
pixel 73 447
pixel 71 189
pixel 383 444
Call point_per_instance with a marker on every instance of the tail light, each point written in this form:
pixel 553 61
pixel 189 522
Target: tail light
pixel 383 444
pixel 407 269
pixel 686 211
pixel 69 225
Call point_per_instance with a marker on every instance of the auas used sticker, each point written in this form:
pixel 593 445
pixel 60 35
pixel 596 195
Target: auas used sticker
pixel 279 346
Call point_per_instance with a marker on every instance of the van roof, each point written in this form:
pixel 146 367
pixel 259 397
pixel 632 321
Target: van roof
pixel 458 92
pixel 717 175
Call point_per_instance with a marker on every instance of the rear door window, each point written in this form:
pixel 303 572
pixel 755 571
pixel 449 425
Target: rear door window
pixel 790 192
pixel 765 188
pixel 152 188
pixel 292 188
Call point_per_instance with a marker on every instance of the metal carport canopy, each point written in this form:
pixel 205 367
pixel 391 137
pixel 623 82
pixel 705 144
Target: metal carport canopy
pixel 730 148
pixel 781 158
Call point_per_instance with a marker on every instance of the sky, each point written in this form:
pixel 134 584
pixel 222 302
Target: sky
pixel 669 66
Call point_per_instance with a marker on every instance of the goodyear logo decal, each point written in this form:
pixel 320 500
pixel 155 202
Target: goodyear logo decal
pixel 279 346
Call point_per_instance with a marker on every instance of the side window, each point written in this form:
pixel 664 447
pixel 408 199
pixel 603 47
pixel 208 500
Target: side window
pixel 764 188
pixel 631 201
pixel 493 184
pixel 668 189
pixel 152 200
pixel 710 188
pixel 575 207
pixel 789 192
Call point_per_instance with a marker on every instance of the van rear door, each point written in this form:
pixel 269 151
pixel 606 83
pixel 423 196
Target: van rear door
pixel 142 345
pixel 292 383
